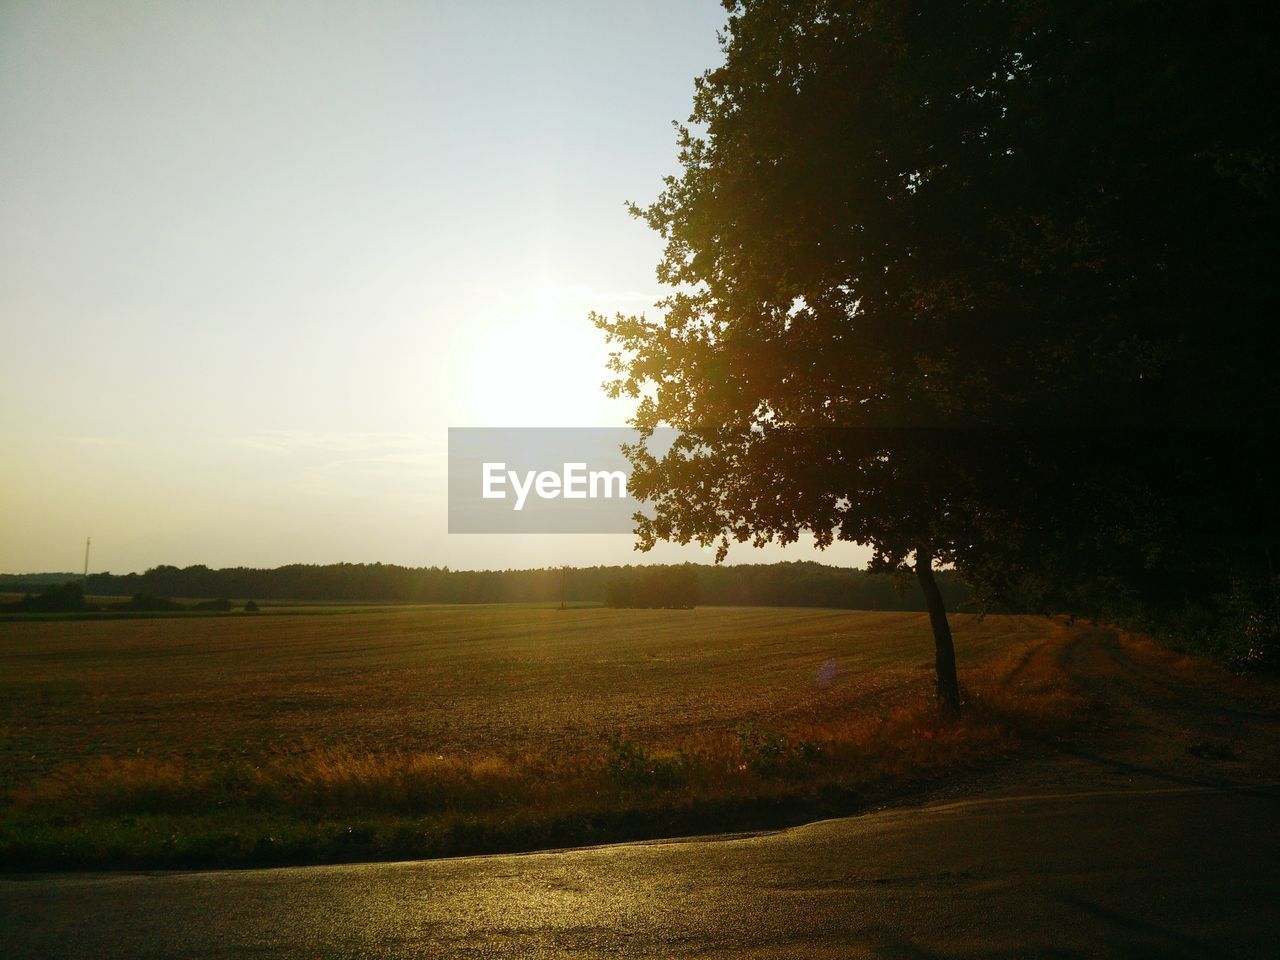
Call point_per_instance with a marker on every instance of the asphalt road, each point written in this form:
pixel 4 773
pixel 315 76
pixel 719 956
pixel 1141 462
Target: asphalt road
pixel 1169 872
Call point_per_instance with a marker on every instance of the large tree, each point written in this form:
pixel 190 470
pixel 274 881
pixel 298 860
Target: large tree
pixel 922 253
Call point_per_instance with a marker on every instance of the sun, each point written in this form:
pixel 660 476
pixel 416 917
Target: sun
pixel 540 370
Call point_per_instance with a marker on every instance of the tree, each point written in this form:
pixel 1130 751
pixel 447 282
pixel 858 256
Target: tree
pixel 661 588
pixel 55 598
pixel 920 251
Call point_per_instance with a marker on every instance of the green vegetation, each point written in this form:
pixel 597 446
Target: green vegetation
pixel 654 588
pixel 986 284
pixel 54 598
pixel 801 584
pixel 424 731
pixel 69 600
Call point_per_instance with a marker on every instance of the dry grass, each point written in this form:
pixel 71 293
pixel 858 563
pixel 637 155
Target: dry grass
pixel 451 729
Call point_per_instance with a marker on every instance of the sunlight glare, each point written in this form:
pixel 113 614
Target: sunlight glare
pixel 543 368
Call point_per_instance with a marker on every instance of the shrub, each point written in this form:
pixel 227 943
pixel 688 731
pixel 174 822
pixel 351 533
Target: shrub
pixel 771 754
pixel 149 603
pixel 55 598
pixel 631 765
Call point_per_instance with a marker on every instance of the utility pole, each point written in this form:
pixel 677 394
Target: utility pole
pixel 86 561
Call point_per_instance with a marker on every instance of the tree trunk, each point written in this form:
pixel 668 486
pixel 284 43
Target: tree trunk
pixel 944 650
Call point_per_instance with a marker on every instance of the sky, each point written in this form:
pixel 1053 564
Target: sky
pixel 257 257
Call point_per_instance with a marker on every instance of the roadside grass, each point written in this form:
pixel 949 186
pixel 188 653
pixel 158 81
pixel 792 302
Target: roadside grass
pixel 858 740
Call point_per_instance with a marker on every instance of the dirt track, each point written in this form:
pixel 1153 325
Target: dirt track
pixel 1154 718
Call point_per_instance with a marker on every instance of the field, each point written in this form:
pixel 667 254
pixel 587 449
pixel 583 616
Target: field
pixel 416 731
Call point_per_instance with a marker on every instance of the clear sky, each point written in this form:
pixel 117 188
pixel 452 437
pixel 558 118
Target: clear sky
pixel 257 257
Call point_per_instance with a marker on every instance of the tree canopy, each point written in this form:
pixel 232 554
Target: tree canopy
pixel 981 282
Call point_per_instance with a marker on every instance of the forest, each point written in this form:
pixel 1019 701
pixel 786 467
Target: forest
pixel 799 584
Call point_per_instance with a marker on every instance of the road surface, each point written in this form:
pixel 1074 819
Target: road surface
pixel 1164 872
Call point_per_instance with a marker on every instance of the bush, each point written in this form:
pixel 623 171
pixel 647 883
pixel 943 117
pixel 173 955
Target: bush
pixel 631 765
pixel 149 603
pixel 55 598
pixel 771 754
pixel 1251 634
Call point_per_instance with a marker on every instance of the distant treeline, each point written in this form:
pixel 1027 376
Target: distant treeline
pixel 798 584
pixel 655 588
pixel 69 597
